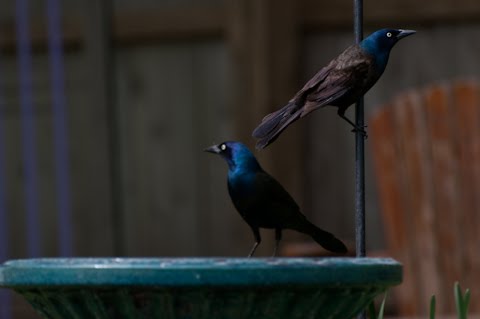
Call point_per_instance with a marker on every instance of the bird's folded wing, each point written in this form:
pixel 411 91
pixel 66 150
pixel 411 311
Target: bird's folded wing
pixel 270 190
pixel 343 74
pixel 339 83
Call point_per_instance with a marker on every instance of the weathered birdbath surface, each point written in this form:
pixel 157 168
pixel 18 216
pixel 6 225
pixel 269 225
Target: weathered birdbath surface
pixel 195 288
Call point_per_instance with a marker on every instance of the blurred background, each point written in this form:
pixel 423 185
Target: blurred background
pixel 106 106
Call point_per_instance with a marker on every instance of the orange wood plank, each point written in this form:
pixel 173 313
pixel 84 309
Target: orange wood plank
pixel 466 102
pixel 426 151
pixel 384 154
pixel 412 135
pixel 445 184
pixel 393 206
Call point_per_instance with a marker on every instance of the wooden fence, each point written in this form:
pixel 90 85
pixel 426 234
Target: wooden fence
pixel 426 149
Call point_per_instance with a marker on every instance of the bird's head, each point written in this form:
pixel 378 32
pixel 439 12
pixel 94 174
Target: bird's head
pixel 236 154
pixel 384 39
pixel 380 42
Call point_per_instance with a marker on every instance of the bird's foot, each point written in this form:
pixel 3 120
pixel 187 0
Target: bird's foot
pixel 361 130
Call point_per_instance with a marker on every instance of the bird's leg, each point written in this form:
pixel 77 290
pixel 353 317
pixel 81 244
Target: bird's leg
pixel 258 240
pixel 278 237
pixel 356 128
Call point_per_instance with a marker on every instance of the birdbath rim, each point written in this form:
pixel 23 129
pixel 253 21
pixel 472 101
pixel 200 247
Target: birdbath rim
pixel 194 271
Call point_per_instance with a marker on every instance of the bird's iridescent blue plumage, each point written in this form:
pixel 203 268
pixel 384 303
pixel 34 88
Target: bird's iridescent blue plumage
pixel 262 201
pixel 242 167
pixel 380 43
pixel 341 83
pixel 239 158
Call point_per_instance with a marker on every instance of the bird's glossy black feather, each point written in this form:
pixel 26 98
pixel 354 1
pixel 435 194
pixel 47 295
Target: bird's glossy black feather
pixel 341 83
pixel 263 202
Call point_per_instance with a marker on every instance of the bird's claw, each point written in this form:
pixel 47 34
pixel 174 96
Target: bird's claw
pixel 361 130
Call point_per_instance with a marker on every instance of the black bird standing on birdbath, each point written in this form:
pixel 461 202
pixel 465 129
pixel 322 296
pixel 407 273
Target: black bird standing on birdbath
pixel 263 202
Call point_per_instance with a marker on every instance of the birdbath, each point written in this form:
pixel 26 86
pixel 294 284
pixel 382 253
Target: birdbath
pixel 195 288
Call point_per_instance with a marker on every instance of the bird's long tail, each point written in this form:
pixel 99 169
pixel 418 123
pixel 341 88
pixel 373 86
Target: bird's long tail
pixel 325 239
pixel 274 123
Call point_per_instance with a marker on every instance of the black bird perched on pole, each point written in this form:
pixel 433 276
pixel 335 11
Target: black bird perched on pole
pixel 263 202
pixel 341 83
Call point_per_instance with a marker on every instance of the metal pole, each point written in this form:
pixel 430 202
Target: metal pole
pixel 359 152
pixel 359 149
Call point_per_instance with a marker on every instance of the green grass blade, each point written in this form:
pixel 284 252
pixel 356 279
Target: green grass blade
pixel 461 301
pixel 382 307
pixel 433 303
pixel 458 299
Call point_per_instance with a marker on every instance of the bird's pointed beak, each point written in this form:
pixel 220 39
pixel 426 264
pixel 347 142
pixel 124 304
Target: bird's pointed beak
pixel 213 149
pixel 405 33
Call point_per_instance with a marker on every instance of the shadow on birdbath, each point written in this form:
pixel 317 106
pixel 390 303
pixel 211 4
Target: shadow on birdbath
pixel 210 288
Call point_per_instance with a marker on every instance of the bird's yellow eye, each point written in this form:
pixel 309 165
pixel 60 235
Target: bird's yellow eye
pixel 223 147
pixel 389 34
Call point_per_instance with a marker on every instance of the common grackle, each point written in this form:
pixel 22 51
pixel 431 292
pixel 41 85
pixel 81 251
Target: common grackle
pixel 263 202
pixel 341 83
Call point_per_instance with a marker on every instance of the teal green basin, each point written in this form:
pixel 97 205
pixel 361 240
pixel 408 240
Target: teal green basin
pixel 195 288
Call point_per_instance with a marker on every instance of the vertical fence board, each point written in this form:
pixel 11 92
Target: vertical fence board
pixel 411 131
pixel 438 129
pixel 5 250
pixel 14 198
pixel 61 158
pixel 263 39
pixel 164 158
pixel 175 99
pixel 29 147
pixel 89 139
pixel 466 125
pixel 386 157
pixel 444 173
pixel 219 225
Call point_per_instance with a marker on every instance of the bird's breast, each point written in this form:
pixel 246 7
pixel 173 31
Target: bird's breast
pixel 241 185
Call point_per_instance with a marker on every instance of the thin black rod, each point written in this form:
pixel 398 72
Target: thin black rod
pixel 359 149
pixel 360 183
pixel 358 20
pixel 359 153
